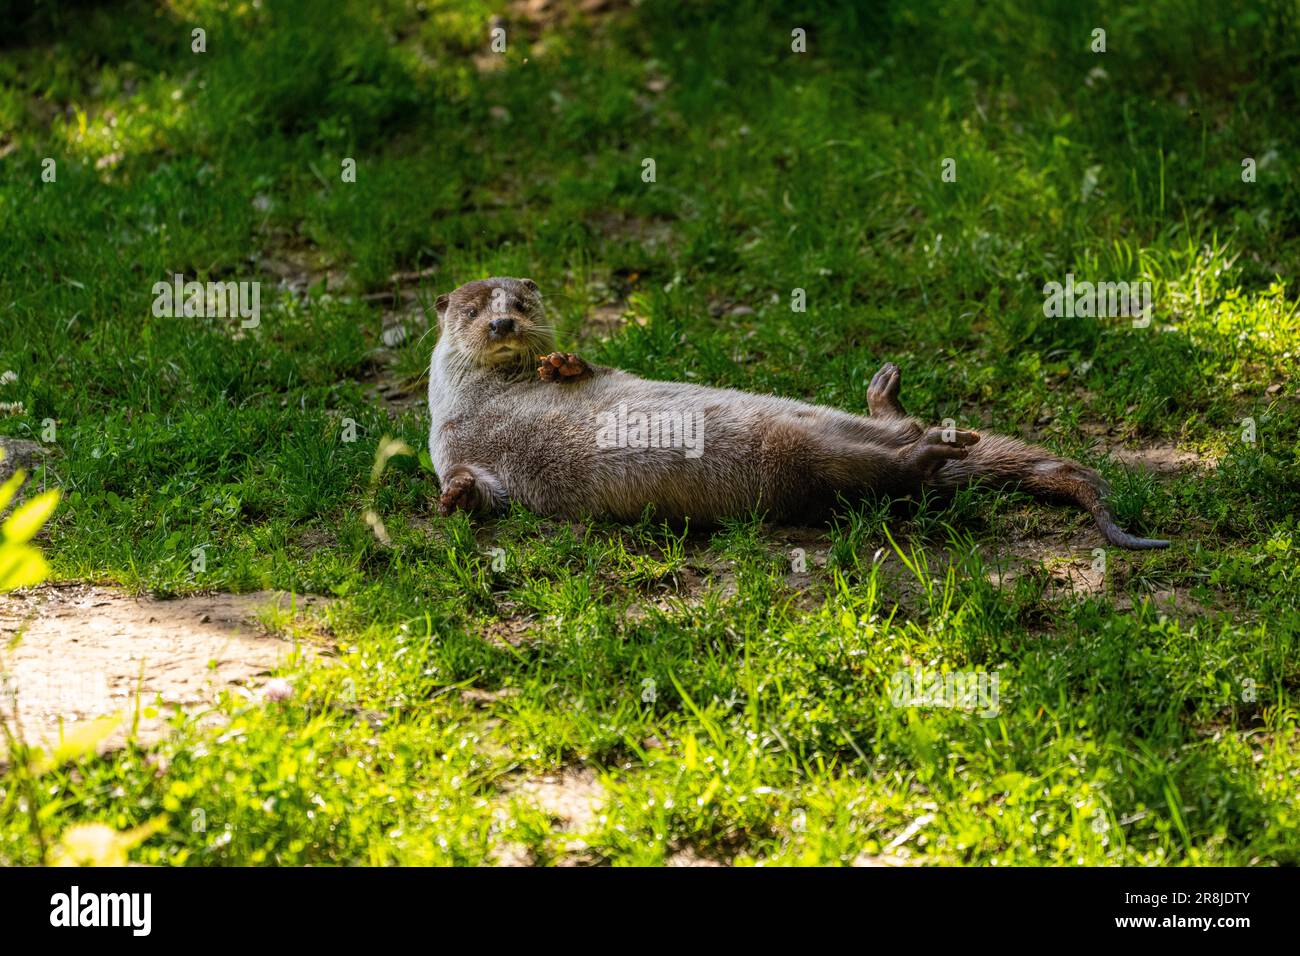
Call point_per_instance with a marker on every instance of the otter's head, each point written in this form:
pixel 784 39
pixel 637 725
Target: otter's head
pixel 495 322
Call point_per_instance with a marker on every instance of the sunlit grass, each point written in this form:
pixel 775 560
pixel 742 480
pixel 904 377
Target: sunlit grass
pixel 721 702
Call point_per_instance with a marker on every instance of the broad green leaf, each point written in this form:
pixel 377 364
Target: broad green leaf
pixel 10 488
pixel 80 740
pixel 21 566
pixel 27 520
pixel 98 844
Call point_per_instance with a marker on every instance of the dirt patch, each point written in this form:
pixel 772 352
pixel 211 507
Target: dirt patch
pixel 689 856
pixel 622 227
pixel 686 586
pixel 869 860
pixel 511 854
pixel 405 323
pixel 539 17
pixel 806 550
pixel 1083 565
pixel 571 797
pixel 19 453
pixel 605 319
pixel 316 539
pixel 1174 604
pixel 1069 563
pixel 396 394
pixel 609 310
pixel 1066 559
pixel 88 651
pixel 298 268
pixel 486 698
pixel 512 631
pixel 1161 459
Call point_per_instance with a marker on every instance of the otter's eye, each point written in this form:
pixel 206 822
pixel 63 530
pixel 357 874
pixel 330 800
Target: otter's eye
pixel 470 312
pixel 519 306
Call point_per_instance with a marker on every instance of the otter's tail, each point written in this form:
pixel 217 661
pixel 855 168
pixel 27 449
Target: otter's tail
pixel 1008 462
pixel 1090 494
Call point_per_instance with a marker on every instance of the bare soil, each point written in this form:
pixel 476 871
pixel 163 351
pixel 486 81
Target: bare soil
pixel 74 652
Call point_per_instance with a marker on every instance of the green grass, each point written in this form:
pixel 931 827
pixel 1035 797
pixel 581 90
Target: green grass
pixel 1126 735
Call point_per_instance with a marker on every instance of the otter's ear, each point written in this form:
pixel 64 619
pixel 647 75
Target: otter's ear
pixel 440 306
pixel 529 284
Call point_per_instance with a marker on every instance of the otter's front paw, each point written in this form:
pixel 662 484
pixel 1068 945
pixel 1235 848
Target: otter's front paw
pixel 461 493
pixel 562 367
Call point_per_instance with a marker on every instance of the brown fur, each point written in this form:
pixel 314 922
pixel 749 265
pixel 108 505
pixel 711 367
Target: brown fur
pixel 504 430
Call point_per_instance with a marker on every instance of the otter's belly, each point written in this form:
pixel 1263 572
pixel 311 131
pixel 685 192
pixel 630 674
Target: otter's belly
pixel 613 449
pixel 590 454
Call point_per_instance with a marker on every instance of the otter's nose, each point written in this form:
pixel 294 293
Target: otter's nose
pixel 500 327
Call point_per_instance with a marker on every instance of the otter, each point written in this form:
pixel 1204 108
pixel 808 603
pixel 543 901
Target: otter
pixel 569 439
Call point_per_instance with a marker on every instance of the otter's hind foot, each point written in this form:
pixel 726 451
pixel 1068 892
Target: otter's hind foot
pixel 459 494
pixel 882 393
pixel 936 447
pixel 471 488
